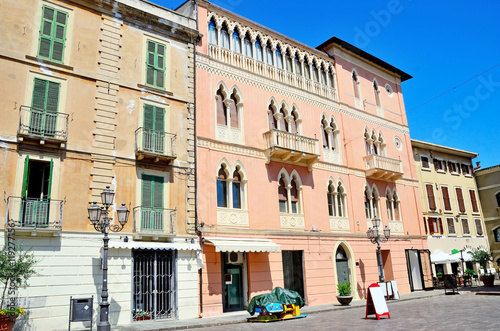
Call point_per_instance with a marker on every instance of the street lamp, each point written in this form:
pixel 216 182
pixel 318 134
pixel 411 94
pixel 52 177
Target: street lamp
pixel 99 219
pixel 374 236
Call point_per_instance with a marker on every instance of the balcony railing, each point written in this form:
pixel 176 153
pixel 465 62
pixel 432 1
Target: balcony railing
pixel 382 167
pixel 34 213
pixel 155 143
pixel 285 146
pixel 42 124
pixel 155 221
pixel 261 68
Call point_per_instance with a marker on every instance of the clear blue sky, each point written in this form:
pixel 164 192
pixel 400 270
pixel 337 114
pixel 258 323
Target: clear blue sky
pixel 448 47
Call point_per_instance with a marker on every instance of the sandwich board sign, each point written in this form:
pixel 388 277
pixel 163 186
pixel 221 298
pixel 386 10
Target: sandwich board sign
pixel 375 303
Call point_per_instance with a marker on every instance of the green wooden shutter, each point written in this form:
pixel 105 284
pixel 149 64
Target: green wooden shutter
pixel 159 119
pixel 39 92
pixel 52 34
pixel 147 186
pixel 25 181
pixel 155 64
pixel 50 178
pixel 149 117
pixel 45 101
pixel 158 193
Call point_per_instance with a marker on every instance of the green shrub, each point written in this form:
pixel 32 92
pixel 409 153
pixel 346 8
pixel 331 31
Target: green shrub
pixel 344 289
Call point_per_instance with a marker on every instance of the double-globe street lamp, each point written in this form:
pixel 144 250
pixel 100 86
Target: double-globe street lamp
pixel 374 236
pixel 99 219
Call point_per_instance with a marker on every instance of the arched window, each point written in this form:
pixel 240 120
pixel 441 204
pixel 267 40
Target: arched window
pixel 397 211
pixel 237 189
pixel 322 75
pixel 292 125
pixel 332 211
pixel 258 50
pixel 333 134
pixel 283 121
pixel 222 196
pixel 294 195
pixel 298 68
pixel 341 201
pixel 330 79
pixel 212 32
pixel 375 200
pixel 221 108
pixel 283 196
pixel 273 124
pixel 236 41
pixel 355 85
pixel 315 73
pixel 233 111
pixel 388 203
pixel 279 58
pixel 224 35
pixel 248 45
pixel 368 210
pixel 324 129
pixel 288 60
pixel 269 54
pixel 307 73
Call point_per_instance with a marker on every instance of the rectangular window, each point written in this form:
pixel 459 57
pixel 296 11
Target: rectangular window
pixel 434 225
pixel 465 169
pixel 237 195
pixel 460 199
pixel 465 226
pixel 452 166
pixel 425 162
pixel 154 129
pixel 430 196
pixel 479 227
pixel 473 201
pixel 44 103
pixel 331 204
pixel 52 34
pixel 221 193
pixel 152 203
pixel 438 165
pixel 446 198
pixel 155 64
pixel 451 225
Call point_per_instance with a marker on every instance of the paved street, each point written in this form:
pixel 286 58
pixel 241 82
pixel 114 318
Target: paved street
pixel 451 312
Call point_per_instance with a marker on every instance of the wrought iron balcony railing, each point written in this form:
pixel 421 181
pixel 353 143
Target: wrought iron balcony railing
pixel 42 124
pixel 155 221
pixel 155 143
pixel 34 213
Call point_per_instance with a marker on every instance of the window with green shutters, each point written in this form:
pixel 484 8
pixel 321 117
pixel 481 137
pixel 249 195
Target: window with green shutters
pixel 45 103
pixel 154 129
pixel 152 203
pixel 155 64
pixel 52 34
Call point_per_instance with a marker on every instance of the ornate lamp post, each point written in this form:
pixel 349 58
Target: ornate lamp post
pixel 99 219
pixel 374 236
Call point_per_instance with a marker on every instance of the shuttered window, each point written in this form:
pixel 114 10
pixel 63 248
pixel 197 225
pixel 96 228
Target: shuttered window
pixel 425 162
pixel 446 198
pixel 473 201
pixel 44 103
pixel 152 192
pixel 154 128
pixel 460 199
pixel 465 226
pixel 52 34
pixel 479 227
pixel 430 196
pixel 155 64
pixel 451 225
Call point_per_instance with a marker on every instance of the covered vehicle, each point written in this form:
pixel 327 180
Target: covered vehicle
pixel 277 295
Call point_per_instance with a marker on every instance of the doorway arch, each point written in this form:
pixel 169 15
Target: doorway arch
pixel 345 266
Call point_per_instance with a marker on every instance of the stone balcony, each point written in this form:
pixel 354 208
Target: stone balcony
pixel 382 167
pixel 155 144
pixel 292 148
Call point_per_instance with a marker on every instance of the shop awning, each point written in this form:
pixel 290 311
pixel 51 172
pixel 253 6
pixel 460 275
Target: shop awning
pixel 153 245
pixel 441 257
pixel 242 245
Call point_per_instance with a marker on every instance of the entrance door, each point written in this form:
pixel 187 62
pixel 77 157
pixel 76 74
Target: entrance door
pixel 233 283
pixel 419 269
pixel 292 271
pixel 342 263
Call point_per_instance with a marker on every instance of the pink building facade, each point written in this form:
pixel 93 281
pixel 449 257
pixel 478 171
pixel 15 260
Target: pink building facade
pixel 298 148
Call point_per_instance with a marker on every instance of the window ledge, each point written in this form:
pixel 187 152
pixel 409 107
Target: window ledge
pixel 455 173
pixel 448 212
pixel 426 169
pixel 468 175
pixel 48 62
pixel 154 89
pixel 440 171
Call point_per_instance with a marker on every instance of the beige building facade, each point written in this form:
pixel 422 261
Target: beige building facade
pixel 97 94
pixel 488 184
pixel 450 202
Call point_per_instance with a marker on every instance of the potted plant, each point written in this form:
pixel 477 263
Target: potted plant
pixel 143 315
pixel 16 267
pixel 482 257
pixel 344 293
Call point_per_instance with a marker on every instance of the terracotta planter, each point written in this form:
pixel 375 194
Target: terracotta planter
pixel 488 280
pixel 344 300
pixel 7 322
pixel 141 318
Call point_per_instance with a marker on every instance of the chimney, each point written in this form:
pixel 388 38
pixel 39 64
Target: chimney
pixel 478 166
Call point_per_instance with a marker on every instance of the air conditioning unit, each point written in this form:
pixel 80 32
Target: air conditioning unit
pixel 234 258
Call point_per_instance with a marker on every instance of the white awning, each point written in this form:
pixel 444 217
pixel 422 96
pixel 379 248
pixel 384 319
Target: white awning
pixel 153 245
pixel 242 245
pixel 441 257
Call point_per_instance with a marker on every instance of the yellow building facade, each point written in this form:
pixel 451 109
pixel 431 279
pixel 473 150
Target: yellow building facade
pixel 97 94
pixel 450 203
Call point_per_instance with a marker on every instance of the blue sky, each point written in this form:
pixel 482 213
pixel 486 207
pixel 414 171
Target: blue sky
pixel 451 48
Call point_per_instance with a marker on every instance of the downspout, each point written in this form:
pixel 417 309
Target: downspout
pixel 198 232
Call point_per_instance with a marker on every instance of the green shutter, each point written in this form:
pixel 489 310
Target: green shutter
pixel 26 170
pixel 52 34
pixel 45 102
pixel 147 186
pixel 149 117
pixel 155 64
pixel 158 193
pixel 159 119
pixel 39 92
pixel 50 178
pixel 152 192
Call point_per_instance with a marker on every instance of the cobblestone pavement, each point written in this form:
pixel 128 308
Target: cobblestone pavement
pixel 451 312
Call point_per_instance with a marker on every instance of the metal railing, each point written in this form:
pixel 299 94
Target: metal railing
pixel 34 213
pixel 155 220
pixel 294 142
pixel 44 124
pixel 375 161
pixel 155 142
pixel 263 69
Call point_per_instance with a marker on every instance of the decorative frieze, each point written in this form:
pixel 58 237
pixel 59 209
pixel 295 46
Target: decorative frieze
pixel 292 221
pixel 232 217
pixel 396 227
pixel 339 224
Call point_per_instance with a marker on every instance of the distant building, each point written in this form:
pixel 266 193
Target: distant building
pixel 298 149
pixel 450 203
pixel 488 183
pixel 95 94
